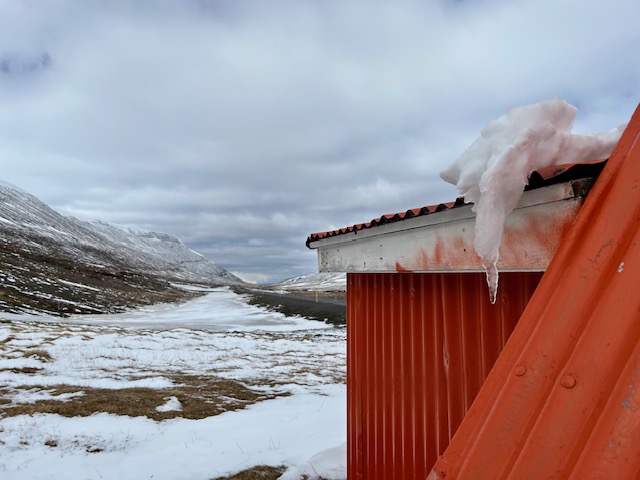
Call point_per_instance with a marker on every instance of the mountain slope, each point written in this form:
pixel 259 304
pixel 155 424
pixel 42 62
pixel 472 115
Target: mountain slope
pixel 315 282
pixel 54 264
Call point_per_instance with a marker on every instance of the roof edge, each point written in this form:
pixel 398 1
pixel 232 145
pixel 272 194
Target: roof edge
pixel 538 179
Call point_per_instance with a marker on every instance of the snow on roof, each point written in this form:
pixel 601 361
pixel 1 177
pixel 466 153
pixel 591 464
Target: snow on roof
pixel 540 178
pixel 494 170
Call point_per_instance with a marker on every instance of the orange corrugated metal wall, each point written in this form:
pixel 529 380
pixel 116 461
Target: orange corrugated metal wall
pixel 419 346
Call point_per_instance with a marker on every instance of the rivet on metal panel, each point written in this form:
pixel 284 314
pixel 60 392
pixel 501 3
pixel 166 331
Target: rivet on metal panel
pixel 437 473
pixel 520 370
pixel 568 381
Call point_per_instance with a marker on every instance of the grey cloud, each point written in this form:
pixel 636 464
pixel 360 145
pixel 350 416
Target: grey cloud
pixel 19 65
pixel 244 126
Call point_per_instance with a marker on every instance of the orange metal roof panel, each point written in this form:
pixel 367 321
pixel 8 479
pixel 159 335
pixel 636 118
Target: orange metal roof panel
pixel 563 398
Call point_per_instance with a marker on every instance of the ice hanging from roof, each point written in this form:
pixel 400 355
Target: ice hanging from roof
pixel 494 170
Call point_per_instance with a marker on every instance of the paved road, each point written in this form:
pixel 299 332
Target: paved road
pixel 327 307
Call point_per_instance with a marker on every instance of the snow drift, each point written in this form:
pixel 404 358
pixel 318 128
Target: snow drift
pixel 494 170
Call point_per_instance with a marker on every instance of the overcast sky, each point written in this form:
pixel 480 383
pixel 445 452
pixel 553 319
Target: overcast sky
pixel 244 126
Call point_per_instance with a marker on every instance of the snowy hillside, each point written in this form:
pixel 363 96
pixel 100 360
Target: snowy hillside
pixel 320 282
pixel 160 253
pixel 56 264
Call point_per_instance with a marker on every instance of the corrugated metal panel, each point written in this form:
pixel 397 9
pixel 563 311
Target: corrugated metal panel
pixel 419 346
pixel 563 400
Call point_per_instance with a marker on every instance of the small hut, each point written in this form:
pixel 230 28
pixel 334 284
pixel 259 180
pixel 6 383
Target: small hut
pixel 442 382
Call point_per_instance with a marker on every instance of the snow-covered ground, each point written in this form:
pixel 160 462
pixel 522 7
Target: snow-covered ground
pixel 297 363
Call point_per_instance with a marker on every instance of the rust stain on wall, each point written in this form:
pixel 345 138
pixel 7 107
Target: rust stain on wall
pixel 528 245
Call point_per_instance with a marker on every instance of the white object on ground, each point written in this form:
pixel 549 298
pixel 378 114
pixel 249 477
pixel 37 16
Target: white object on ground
pixel 330 464
pixel 172 404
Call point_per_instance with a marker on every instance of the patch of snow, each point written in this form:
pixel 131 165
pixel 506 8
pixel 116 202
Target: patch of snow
pixel 330 464
pixel 171 404
pixel 221 309
pixel 79 285
pixel 285 431
pixel 34 395
pixel 494 170
pixel 307 364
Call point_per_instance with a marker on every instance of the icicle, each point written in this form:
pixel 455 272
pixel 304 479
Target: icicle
pixel 492 281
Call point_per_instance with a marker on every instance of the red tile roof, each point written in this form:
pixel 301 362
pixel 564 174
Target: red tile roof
pixel 540 178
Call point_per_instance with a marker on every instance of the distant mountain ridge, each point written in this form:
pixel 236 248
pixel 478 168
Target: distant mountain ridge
pixel 315 282
pixel 54 264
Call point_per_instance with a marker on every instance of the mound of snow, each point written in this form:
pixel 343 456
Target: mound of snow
pixel 494 170
pixel 171 404
pixel 329 464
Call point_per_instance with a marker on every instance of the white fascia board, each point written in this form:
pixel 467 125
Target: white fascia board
pixel 443 241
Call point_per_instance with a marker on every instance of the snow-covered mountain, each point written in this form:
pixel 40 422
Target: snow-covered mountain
pixel 317 282
pixel 56 264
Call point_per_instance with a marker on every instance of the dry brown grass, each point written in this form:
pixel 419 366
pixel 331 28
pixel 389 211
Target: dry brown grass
pixel 38 353
pixel 23 370
pixel 3 400
pixel 200 396
pixel 10 338
pixel 261 472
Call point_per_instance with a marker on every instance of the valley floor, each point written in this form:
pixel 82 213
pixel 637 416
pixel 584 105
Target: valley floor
pixel 199 390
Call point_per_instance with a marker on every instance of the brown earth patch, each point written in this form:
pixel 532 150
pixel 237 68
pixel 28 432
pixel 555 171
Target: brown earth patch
pixel 38 353
pixel 200 397
pixel 260 472
pixel 25 370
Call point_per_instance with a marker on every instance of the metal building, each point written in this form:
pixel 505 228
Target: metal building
pixel 424 396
